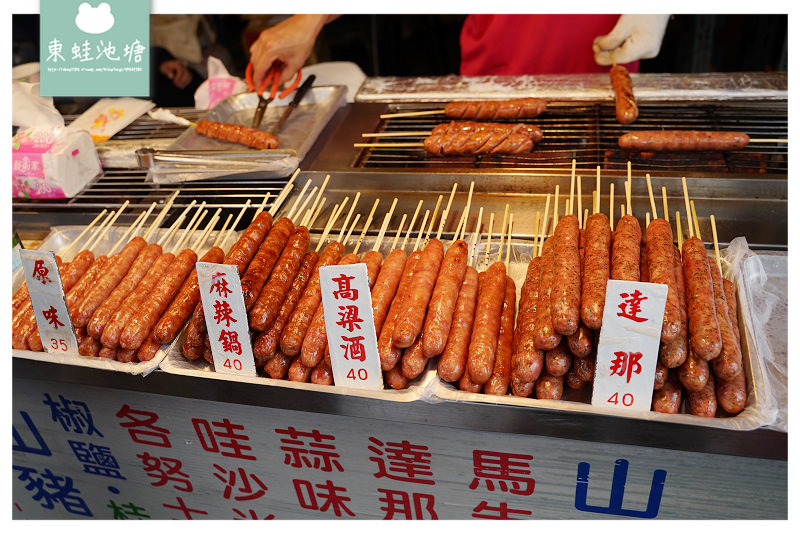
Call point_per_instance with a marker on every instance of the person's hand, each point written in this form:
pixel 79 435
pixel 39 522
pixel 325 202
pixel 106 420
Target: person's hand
pixel 634 37
pixel 177 72
pixel 290 42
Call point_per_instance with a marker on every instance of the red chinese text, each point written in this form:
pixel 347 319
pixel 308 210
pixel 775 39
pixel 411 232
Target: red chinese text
pixel 223 440
pixel 223 313
pixel 51 315
pixel 230 342
pixel 327 494
pixel 510 471
pixel 142 428
pixel 40 272
pixel 626 364
pixel 344 290
pixel 631 307
pixel 182 507
pixel 248 486
pixel 220 285
pixel 348 317
pixel 399 503
pixel 401 461
pixel 165 470
pixel 354 349
pixel 316 454
pixel 501 512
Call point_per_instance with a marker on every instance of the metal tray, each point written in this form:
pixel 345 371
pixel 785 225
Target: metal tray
pixel 757 413
pixel 58 238
pixel 294 140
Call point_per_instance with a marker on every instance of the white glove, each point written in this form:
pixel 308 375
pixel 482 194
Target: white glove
pixel 634 37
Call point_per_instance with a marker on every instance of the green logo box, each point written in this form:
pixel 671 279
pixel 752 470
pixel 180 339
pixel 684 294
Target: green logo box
pixel 94 48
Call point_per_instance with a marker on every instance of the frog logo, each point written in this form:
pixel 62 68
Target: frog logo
pixel 94 20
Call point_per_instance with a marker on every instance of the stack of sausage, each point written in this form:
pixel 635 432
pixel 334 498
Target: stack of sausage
pixel 115 302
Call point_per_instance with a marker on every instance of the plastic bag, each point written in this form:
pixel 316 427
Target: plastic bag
pixel 219 85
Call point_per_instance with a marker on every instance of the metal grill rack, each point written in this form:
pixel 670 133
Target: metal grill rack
pixel 588 133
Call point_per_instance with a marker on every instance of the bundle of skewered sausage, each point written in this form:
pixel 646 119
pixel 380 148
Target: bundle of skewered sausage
pixel 476 138
pixel 237 134
pixel 513 109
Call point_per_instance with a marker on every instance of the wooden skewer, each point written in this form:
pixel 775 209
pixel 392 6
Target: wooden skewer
pixel 222 232
pixel 536 234
pixel 397 134
pixel 366 225
pixel 201 239
pixel 347 218
pixel 646 219
pixel 276 205
pixel 555 210
pixel 679 230
pixel 385 225
pixel 572 188
pixel 399 231
pixel 388 145
pixel 769 140
pixel 488 241
pixel 235 222
pixel 140 223
pixel 319 194
pixel 542 234
pixel 168 235
pixel 446 211
pixel 502 232
pixel 716 243
pixel 320 207
pixel 291 213
pixel 508 242
pixel 299 214
pixel 688 210
pixel 611 205
pixel 128 232
pixel 433 218
pixel 622 210
pixel 629 211
pixel 263 205
pixel 190 229
pixel 546 219
pixel 164 210
pixel 352 227
pixel 413 114
pixel 476 235
pixel 696 222
pixel 652 199
pixel 185 211
pixel 664 200
pixel 466 210
pixel 596 204
pixel 629 176
pixel 411 225
pixel 101 230
pixel 329 224
pixel 82 233
pixel 580 194
pixel 595 201
pixel 459 230
pixel 421 230
pixel 200 208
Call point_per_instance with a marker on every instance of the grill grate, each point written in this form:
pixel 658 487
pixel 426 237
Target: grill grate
pixel 588 133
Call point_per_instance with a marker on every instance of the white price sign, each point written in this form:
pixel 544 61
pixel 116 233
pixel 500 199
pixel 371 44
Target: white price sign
pixel 226 318
pixel 352 341
pixel 628 348
pixel 49 302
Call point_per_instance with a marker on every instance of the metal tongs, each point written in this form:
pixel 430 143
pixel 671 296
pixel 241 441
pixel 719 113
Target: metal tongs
pixel 272 79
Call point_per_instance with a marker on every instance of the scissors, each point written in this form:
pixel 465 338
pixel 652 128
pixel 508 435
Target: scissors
pixel 272 79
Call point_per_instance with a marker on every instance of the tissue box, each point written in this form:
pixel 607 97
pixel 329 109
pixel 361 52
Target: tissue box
pixel 52 164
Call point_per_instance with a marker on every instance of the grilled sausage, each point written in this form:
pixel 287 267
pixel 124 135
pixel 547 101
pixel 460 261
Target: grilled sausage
pixel 674 353
pixel 704 401
pixel 395 379
pixel 501 373
pixel 251 137
pixel 545 336
pixel 728 364
pixel 89 347
pixel 316 338
pixel 454 356
pixel 661 376
pixel 411 311
pixel 388 353
pixel 572 380
pixel 486 326
pixel 581 343
pixel 584 368
pixel 153 305
pixel 385 288
pixel 558 360
pixel 467 385
pixel 732 394
pixel 454 127
pixel 694 372
pixel 260 266
pixel 148 349
pixel 668 398
pixel 278 365
pixel 119 320
pixel 565 296
pixel 295 330
pixel 373 260
pixel 626 249
pixel 661 265
pixel 549 387
pixel 511 109
pixel 627 110
pixel 101 289
pixel 596 269
pixel 443 299
pixel 298 371
pixel 704 330
pixel 322 374
pixel 413 362
pixel 490 142
pixel 180 309
pixel 136 272
pixel 527 360
pixel 683 141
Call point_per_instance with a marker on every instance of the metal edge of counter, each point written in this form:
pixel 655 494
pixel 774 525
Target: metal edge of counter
pixel 760 443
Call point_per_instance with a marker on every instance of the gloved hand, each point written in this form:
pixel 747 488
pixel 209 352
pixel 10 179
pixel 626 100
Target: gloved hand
pixel 290 42
pixel 634 37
